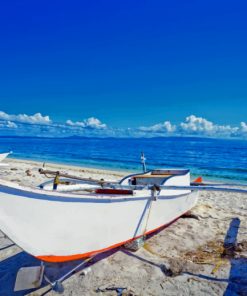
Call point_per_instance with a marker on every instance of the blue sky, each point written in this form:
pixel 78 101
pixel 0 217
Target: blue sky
pixel 128 64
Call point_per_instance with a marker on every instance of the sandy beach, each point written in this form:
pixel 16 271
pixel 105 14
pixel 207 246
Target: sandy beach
pixel 204 254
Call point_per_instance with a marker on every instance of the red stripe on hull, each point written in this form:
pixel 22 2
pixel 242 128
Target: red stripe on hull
pixel 54 258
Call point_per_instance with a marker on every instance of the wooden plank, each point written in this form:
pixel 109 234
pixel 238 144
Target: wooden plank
pixel 89 180
pixel 152 176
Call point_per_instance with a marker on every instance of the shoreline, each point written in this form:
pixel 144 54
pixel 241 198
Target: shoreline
pixel 67 164
pixel 106 170
pixel 25 172
pixel 54 165
pixel 213 160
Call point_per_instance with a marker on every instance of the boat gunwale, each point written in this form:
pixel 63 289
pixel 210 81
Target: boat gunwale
pixel 41 194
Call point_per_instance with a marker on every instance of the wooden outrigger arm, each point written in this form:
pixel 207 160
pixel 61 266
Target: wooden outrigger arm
pixel 204 188
pixel 169 187
pixel 88 180
pixel 217 184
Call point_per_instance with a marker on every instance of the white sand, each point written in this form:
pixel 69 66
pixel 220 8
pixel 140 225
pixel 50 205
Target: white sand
pixel 190 248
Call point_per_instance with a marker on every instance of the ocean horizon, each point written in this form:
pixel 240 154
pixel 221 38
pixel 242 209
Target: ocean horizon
pixel 214 159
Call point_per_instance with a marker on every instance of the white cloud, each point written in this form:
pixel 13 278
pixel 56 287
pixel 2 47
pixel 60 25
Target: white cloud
pixel 165 127
pixel 196 124
pixel 77 123
pixel 91 122
pixel 241 130
pixel 37 118
pixel 201 126
pixel 11 124
pixel 39 125
pixel 243 127
pixel 8 124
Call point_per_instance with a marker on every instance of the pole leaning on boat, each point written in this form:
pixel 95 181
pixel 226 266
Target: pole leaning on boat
pixel 143 161
pixel 52 174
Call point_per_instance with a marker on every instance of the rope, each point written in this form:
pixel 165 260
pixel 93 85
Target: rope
pixel 218 265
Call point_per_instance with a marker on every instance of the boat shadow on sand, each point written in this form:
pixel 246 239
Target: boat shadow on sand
pixel 8 270
pixel 10 266
pixel 237 281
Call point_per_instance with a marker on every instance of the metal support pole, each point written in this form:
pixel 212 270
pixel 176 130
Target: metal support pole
pixel 57 284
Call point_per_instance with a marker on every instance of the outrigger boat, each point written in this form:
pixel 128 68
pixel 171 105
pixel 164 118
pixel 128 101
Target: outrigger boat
pixel 3 156
pixel 56 226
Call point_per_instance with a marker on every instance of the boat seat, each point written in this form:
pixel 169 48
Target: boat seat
pixel 113 191
pixel 161 172
pixel 149 179
pixel 153 176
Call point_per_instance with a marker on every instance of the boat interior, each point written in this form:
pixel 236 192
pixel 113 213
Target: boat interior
pixel 153 177
pixel 157 177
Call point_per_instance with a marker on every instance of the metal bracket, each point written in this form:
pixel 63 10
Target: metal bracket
pixel 57 285
pixel 32 277
pixel 155 191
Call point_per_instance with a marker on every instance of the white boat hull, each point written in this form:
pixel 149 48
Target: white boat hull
pixel 56 226
pixel 3 156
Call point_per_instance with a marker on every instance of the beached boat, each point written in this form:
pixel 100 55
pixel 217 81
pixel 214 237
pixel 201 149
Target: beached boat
pixel 4 155
pixel 56 226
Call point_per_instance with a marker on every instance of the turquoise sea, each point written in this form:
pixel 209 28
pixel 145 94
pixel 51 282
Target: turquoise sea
pixel 212 158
